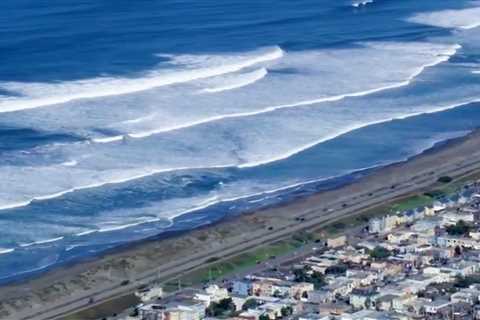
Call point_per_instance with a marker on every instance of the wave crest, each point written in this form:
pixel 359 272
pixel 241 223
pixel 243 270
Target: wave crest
pixel 457 19
pixel 179 69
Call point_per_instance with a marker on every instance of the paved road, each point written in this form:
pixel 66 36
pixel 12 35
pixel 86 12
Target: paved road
pixel 313 217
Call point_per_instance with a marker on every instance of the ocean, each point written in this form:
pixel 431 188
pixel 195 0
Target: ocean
pixel 122 120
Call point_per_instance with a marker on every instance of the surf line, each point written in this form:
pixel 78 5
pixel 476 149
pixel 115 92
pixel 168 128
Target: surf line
pixel 440 59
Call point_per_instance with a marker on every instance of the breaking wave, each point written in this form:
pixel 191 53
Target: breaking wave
pixel 459 19
pixel 239 81
pixel 442 56
pixel 186 68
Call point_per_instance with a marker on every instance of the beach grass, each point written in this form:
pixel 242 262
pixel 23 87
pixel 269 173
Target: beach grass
pixel 233 265
pixel 412 202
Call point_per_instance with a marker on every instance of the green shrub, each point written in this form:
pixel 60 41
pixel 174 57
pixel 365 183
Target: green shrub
pixel 445 179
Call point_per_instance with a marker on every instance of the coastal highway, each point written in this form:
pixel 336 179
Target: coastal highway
pixel 312 218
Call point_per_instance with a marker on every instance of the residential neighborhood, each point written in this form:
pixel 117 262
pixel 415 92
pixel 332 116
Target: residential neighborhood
pixel 417 264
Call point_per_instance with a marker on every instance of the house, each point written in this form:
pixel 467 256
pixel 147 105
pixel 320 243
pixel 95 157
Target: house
pixel 212 293
pixel 383 224
pixel 182 310
pixel 300 289
pixel 251 314
pixel 241 287
pixel 465 296
pixel 320 296
pixel 313 316
pixel 436 307
pixel 340 287
pixel 362 298
pixel 239 301
pixel 367 315
pixel 453 241
pixel 273 310
pixel 337 242
pixel 363 278
pixel 451 218
pixel 384 302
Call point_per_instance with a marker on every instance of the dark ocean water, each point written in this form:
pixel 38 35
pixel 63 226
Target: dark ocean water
pixel 121 120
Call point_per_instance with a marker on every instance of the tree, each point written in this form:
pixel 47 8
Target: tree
pixel 380 253
pixel 460 228
pixel 216 309
pixel 250 304
pixel 458 251
pixel 302 274
pixel 338 269
pixel 264 317
pixel 465 282
pixel 286 311
pixel 445 179
pixel 317 279
pixel 277 294
pixel 306 274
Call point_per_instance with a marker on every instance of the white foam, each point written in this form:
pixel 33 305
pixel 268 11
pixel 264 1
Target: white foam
pixel 130 163
pixel 476 72
pixel 5 251
pixel 70 163
pixel 108 139
pixel 147 173
pixel 444 55
pixel 458 19
pixel 84 233
pixel 14 205
pixel 24 245
pixel 358 4
pixel 239 81
pixel 189 68
pixel 138 120
pixel 352 128
pixel 118 227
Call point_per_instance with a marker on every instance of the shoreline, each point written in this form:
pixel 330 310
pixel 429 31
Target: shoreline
pixel 76 279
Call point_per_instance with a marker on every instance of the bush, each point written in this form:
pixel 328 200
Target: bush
pixel 460 228
pixel 303 237
pixel 222 307
pixel 286 311
pixel 445 179
pixel 339 269
pixel 307 275
pixel 435 194
pixel 465 282
pixel 212 259
pixel 249 304
pixel 380 253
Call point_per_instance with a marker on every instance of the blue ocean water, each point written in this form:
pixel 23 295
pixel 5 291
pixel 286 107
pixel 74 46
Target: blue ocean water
pixel 125 120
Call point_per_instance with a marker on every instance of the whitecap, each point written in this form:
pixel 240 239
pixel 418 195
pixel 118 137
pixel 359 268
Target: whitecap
pixel 443 55
pixel 5 251
pixel 71 163
pixel 87 232
pixel 24 245
pixel 358 4
pixel 238 81
pixel 459 19
pixel 187 68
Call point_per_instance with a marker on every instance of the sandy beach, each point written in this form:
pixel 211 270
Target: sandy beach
pixel 66 288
